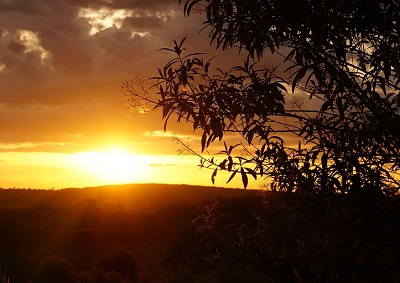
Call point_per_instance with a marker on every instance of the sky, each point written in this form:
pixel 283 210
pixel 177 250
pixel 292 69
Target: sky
pixel 63 119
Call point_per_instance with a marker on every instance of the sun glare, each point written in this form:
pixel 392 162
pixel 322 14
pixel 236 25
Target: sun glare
pixel 112 166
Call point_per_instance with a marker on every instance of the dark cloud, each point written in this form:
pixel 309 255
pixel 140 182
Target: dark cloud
pixel 145 23
pixel 18 6
pixel 71 50
pixel 16 47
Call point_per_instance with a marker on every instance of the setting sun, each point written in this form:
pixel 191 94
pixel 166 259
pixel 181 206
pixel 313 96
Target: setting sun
pixel 111 166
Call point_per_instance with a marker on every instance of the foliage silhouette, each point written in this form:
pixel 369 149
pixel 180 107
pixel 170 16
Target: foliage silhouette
pixel 291 238
pixel 344 56
pixel 123 263
pixel 54 269
pixel 82 247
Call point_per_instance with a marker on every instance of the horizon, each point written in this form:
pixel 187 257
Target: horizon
pixel 129 185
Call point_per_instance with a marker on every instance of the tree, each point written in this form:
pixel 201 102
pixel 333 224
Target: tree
pixel 343 55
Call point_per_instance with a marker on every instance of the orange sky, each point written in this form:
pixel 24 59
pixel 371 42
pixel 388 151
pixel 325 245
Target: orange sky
pixel 61 66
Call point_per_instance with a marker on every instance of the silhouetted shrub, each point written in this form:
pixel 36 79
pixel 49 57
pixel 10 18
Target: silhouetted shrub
pixel 82 247
pixel 55 270
pixel 123 263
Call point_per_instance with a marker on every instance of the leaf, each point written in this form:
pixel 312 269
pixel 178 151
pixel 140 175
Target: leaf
pixel 250 136
pixel 262 148
pixel 170 73
pixel 167 49
pixel 290 55
pixel 324 161
pixel 231 148
pixel 162 93
pixel 325 106
pixel 252 173
pixel 231 177
pixel 207 65
pixel 245 179
pixel 230 163
pixel 166 110
pixel 222 164
pixel 182 41
pixel 196 122
pixel 340 107
pixel 177 50
pixel 214 174
pixel 188 6
pixel 314 156
pixel 270 43
pixel 212 160
pixel 203 141
pixel 299 75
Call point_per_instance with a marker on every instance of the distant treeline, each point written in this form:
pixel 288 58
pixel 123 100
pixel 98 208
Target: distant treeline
pixel 138 196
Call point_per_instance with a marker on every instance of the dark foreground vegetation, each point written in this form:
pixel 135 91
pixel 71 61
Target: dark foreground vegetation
pixel 315 110
pixel 197 234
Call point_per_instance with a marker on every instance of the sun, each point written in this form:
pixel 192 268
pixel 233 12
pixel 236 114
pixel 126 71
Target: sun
pixel 114 166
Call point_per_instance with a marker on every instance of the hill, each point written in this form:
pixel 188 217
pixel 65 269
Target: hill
pixel 131 196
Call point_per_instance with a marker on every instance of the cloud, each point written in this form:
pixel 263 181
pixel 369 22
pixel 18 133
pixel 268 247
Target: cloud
pixel 146 23
pixel 100 19
pixel 60 70
pixel 60 47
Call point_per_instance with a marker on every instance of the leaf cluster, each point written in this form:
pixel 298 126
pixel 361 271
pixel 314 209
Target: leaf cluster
pixel 343 55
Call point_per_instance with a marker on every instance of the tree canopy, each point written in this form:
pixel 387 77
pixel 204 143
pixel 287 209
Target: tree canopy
pixel 344 56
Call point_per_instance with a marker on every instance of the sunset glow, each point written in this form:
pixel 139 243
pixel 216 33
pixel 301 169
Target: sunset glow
pixel 63 121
